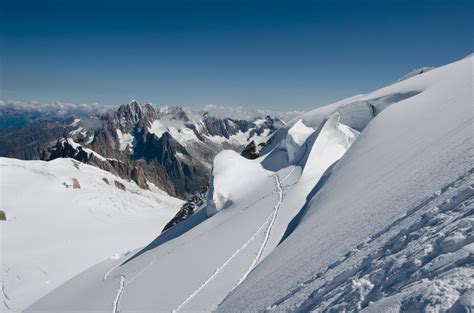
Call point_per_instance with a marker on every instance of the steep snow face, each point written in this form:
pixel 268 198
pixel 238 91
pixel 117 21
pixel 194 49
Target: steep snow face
pixel 305 229
pixel 391 227
pixel 64 216
pixel 296 137
pixel 332 142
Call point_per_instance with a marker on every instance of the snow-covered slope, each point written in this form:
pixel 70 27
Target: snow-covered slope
pixel 64 216
pixel 296 229
pixel 392 227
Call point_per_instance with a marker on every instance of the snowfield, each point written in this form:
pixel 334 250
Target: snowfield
pixel 365 204
pixel 63 217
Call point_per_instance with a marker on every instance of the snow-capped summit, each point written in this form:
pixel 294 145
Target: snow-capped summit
pixel 132 113
pixel 365 204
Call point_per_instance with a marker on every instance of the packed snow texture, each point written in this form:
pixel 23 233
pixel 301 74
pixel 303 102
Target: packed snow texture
pixel 363 204
pixel 64 216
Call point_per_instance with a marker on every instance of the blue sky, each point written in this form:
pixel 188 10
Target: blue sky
pixel 282 55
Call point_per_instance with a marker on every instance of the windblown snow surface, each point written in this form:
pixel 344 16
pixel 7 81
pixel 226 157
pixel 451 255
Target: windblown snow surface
pixel 363 204
pixel 54 231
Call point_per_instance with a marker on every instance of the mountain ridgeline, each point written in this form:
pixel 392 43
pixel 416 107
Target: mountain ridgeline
pixel 170 147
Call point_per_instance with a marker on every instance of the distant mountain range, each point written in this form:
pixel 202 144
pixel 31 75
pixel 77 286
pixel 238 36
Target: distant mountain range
pixel 14 113
pixel 171 147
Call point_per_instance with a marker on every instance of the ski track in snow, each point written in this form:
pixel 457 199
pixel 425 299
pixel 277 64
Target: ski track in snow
pixel 5 297
pixel 270 221
pixel 143 269
pixel 116 302
pixel 278 184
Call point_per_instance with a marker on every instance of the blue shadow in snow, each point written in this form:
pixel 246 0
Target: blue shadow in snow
pixel 302 212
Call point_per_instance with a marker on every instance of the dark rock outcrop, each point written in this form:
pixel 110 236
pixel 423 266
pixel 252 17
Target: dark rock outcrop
pixel 251 151
pixel 138 176
pixel 188 209
pixel 119 185
pixel 75 184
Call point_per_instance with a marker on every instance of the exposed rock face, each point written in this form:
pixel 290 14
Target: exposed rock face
pixel 225 127
pixel 138 176
pixel 169 147
pixel 64 149
pixel 3 216
pixel 133 114
pixel 119 185
pixel 188 208
pixel 251 151
pixel 75 184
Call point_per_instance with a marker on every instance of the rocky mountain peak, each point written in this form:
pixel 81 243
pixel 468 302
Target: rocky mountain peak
pixel 171 147
pixel 128 115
